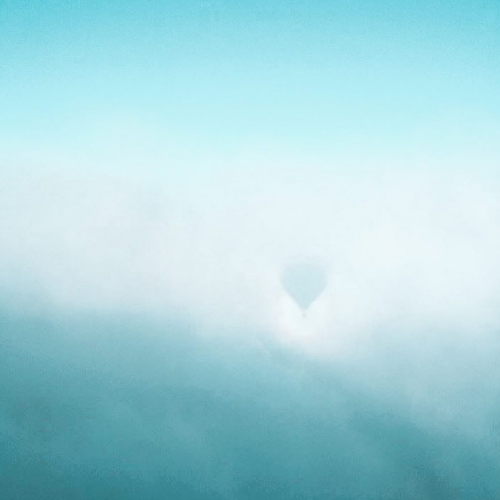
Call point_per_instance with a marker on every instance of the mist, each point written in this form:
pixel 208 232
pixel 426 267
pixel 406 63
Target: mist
pixel 149 349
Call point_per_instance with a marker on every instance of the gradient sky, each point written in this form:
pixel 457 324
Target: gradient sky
pixel 162 163
pixel 343 83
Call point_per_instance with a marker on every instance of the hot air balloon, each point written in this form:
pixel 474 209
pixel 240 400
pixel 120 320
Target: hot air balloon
pixel 304 282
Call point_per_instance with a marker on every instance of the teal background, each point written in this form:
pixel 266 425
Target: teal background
pixel 99 406
pixel 195 106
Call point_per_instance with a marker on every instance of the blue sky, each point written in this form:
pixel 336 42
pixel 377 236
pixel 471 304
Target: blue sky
pixel 401 82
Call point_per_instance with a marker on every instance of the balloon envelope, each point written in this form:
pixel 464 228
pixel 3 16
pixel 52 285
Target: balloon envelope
pixel 304 283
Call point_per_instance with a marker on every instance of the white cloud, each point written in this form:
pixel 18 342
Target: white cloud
pixel 407 249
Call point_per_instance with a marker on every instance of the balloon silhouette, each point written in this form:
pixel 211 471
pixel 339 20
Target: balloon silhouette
pixel 304 283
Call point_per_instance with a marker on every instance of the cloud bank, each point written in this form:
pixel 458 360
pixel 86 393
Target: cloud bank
pixel 95 406
pixel 149 349
pixel 414 248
